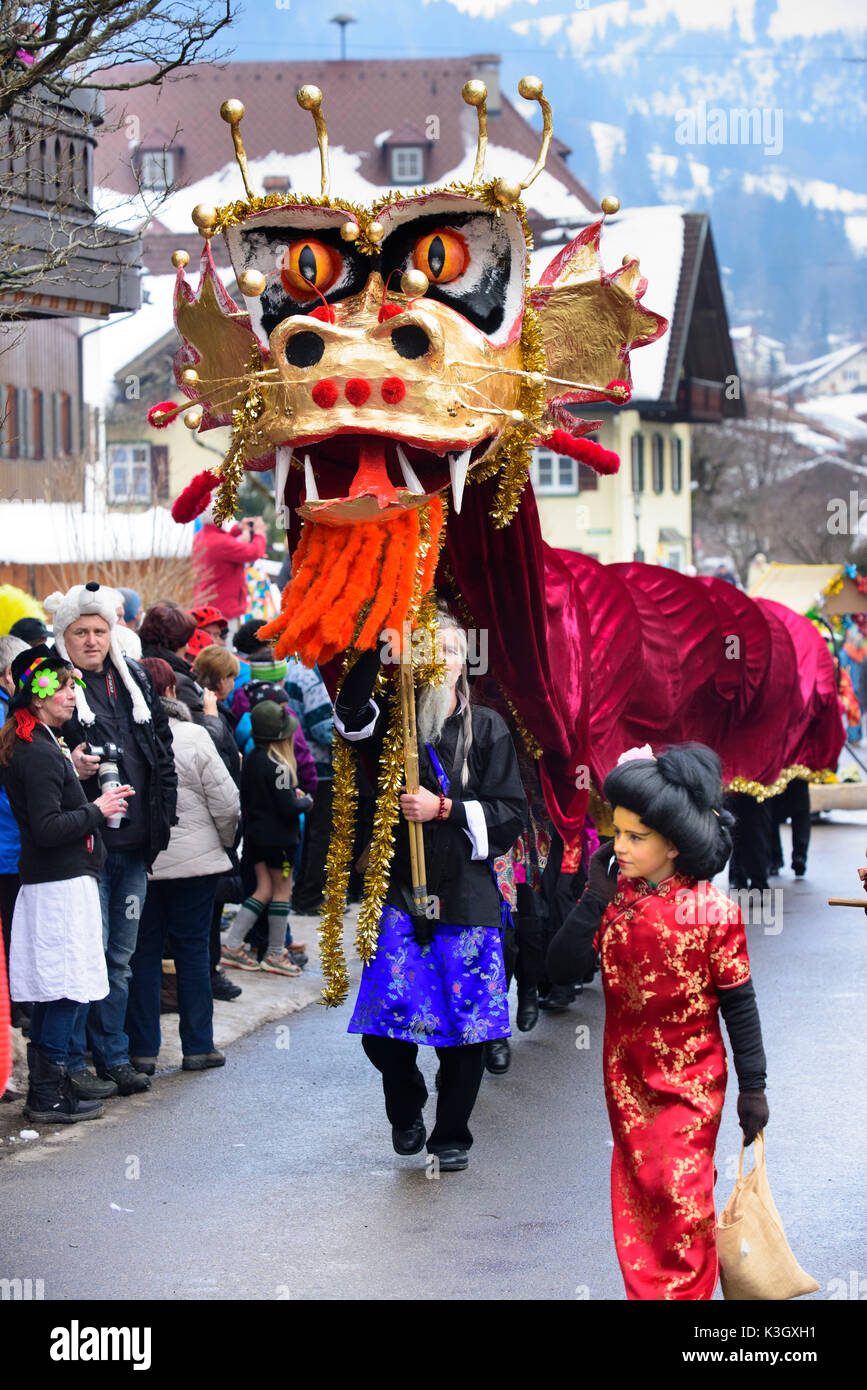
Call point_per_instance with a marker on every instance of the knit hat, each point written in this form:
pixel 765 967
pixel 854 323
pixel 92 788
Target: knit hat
pixel 270 722
pixel 257 691
pixel 94 600
pixel 131 603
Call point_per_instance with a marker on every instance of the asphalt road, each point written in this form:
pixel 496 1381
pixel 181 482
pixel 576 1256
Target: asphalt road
pixel 274 1177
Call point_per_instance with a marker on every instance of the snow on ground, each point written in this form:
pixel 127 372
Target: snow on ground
pixel 46 533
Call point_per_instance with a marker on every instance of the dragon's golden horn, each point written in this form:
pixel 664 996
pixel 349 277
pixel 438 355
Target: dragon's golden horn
pixel 531 89
pixel 232 112
pixel 475 93
pixel 310 99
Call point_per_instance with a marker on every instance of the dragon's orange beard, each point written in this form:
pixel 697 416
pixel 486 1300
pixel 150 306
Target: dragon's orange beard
pixel 352 581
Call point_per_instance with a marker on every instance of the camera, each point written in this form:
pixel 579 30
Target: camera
pixel 108 772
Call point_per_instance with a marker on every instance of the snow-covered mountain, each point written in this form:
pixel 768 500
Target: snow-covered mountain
pixel 753 110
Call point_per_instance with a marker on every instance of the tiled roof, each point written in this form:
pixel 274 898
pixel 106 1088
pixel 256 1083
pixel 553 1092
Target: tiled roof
pixel 362 99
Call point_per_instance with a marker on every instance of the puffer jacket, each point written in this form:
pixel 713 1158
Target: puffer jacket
pixel 208 803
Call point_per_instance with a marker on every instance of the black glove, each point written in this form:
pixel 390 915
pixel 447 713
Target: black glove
pixel 753 1113
pixel 599 882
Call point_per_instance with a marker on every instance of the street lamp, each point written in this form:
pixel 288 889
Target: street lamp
pixel 343 20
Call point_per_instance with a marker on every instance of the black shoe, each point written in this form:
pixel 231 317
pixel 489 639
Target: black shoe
pixel 222 987
pixel 89 1087
pixel 558 998
pixel 50 1097
pixel 528 1010
pixel 452 1160
pixel 800 867
pixel 129 1081
pixel 145 1065
pixel 498 1055
pixel 203 1060
pixel 409 1141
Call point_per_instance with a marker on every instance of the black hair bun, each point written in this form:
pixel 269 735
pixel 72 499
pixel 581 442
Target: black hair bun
pixel 697 769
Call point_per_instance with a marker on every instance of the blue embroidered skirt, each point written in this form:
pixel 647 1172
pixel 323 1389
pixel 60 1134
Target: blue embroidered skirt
pixel 446 994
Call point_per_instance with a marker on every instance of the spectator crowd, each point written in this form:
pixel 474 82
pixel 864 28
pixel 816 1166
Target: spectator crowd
pixel 165 796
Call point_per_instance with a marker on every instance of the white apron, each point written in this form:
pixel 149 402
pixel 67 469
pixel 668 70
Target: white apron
pixel 56 950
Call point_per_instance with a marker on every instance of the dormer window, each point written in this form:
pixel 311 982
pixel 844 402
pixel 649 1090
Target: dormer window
pixel 157 169
pixel 407 164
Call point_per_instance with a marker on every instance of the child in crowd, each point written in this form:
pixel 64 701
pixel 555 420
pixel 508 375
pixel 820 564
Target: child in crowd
pixel 271 803
pixel 673 957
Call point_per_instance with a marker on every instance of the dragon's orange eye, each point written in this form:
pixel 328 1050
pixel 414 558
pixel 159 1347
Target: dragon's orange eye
pixel 307 266
pixel 443 255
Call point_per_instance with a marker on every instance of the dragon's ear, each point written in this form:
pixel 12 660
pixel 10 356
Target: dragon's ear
pixel 218 343
pixel 591 321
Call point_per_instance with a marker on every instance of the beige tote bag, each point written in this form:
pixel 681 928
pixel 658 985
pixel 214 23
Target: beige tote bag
pixel 756 1262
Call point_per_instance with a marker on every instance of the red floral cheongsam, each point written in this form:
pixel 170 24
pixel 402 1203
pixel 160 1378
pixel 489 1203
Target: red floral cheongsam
pixel 666 953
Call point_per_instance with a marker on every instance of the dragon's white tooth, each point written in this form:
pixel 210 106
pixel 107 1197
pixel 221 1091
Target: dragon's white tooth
pixel 312 494
pixel 409 475
pixel 281 475
pixel 459 465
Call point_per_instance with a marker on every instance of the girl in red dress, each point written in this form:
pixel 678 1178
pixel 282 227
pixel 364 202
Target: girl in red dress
pixel 673 958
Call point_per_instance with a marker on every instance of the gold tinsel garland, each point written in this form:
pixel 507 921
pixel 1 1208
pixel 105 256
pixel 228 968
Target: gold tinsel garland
pixel 762 792
pixel 337 866
pixel 247 442
pixel 391 771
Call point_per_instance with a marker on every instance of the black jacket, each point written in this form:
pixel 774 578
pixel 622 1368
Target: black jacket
pixel 189 693
pixel 466 888
pixel 153 741
pixel 59 827
pixel 269 806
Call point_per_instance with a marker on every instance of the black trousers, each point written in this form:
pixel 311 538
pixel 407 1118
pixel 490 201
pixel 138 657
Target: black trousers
pixel 310 883
pixel 461 1070
pixel 794 802
pixel 524 944
pixel 9 886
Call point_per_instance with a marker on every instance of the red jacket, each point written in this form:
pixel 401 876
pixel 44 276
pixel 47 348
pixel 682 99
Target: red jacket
pixel 219 559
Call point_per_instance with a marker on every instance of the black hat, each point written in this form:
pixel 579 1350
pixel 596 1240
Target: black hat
pixel 38 661
pixel 269 722
pixel 30 630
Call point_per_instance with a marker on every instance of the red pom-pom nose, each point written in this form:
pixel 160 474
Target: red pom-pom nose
pixel 357 390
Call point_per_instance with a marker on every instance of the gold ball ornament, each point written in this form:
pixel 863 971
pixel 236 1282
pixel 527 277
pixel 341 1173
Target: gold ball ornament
pixel 414 283
pixel 516 417
pixel 308 97
pixel 610 205
pixel 180 258
pixel 193 418
pixel 536 379
pixel 375 231
pixel 189 376
pixel 506 192
pixel 204 216
pixel 252 283
pixel 350 231
pixel 530 88
pixel 474 92
pixel 232 111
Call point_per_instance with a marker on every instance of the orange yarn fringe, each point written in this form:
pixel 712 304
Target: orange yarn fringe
pixel 350 582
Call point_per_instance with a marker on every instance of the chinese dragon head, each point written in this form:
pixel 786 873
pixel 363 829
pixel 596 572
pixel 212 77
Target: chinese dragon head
pixel 383 360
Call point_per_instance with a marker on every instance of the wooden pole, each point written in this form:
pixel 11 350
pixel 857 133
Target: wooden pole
pixel 410 759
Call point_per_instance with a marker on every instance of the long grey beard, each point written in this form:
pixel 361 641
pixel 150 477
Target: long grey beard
pixel 432 711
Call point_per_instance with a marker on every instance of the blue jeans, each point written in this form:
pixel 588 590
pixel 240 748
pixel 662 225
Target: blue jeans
pixel 123 886
pixel 51 1025
pixel 180 908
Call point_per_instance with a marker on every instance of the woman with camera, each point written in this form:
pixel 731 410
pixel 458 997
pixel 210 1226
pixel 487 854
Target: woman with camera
pixel 57 957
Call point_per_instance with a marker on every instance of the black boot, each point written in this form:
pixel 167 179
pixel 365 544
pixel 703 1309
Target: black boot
pixel 50 1097
pixel 528 1009
pixel 498 1055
